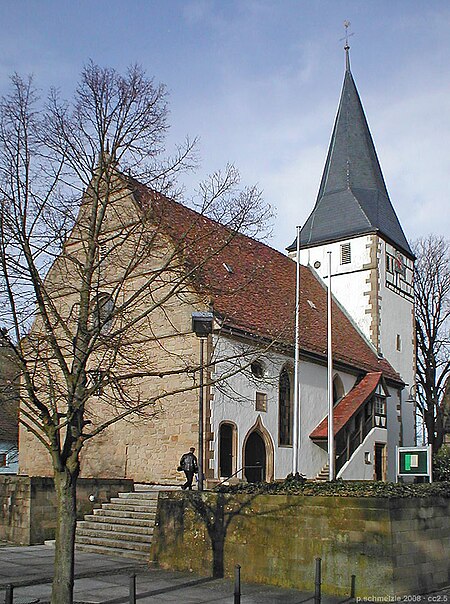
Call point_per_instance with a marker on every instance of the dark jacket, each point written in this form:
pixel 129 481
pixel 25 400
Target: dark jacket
pixel 188 462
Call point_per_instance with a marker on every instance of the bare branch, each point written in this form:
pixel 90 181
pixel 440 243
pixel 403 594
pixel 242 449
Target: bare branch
pixel 432 311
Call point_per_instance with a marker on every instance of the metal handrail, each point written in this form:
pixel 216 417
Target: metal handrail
pixel 235 473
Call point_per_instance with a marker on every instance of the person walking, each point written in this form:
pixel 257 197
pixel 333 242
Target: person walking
pixel 189 465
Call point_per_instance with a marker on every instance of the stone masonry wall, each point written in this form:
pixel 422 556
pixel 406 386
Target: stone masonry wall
pixel 15 504
pixel 144 449
pixel 28 505
pixel 276 539
pixel 421 544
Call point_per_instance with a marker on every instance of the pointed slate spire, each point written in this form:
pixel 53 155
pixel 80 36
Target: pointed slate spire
pixel 352 199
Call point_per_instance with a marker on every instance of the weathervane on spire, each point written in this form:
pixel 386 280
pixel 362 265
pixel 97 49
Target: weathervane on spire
pixel 347 46
pixel 347 35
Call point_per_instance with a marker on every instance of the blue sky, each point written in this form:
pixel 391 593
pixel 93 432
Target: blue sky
pixel 259 82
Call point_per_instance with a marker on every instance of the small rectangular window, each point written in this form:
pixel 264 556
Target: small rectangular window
pixel 346 253
pixel 3 460
pixel 380 406
pixel 261 401
pixel 389 264
pixel 398 342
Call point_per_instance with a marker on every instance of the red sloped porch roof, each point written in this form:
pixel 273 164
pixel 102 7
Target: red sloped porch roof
pixel 348 405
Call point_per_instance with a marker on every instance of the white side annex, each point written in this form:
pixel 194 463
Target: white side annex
pixel 247 407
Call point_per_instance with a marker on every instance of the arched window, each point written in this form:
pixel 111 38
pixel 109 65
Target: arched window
pixel 285 408
pixel 338 389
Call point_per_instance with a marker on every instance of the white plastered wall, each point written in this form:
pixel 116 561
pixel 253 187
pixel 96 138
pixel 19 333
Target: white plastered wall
pixel 360 467
pixel 236 404
pixel 352 286
pixel 349 282
pixel 397 319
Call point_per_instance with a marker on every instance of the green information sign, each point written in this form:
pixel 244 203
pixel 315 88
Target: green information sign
pixel 414 461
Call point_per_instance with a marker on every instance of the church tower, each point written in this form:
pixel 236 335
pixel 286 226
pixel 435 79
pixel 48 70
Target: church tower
pixel 372 262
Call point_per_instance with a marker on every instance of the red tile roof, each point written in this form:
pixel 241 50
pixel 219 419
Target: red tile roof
pixel 348 405
pixel 252 286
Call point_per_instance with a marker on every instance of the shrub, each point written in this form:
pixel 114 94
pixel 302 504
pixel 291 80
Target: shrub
pixel 341 488
pixel 441 464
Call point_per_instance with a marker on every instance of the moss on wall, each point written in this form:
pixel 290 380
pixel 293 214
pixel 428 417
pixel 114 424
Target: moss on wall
pixel 276 538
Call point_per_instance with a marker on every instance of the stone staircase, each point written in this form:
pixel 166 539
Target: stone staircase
pixel 123 527
pixel 322 476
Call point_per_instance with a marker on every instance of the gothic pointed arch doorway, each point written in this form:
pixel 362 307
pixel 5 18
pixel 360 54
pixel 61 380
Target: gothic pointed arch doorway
pixel 258 454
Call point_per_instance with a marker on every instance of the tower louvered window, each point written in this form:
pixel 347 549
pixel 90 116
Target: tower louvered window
pixel 346 253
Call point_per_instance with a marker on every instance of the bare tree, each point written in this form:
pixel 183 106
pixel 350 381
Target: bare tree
pixel 432 312
pixel 93 261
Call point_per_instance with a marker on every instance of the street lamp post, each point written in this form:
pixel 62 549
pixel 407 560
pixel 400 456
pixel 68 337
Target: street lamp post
pixel 412 400
pixel 202 324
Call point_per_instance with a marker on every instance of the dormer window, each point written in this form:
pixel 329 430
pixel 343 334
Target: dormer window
pixel 346 253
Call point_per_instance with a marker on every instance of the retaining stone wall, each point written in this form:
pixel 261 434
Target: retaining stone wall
pixel 28 505
pixel 393 546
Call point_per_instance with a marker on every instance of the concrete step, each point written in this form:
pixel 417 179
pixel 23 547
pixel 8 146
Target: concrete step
pixel 323 475
pixel 124 513
pixel 112 551
pixel 115 527
pixel 143 502
pixel 146 496
pixel 141 487
pixel 146 539
pixel 132 523
pixel 131 506
pixel 117 543
pixel 124 526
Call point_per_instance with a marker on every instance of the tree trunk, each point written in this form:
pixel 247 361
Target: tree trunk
pixel 218 544
pixel 63 580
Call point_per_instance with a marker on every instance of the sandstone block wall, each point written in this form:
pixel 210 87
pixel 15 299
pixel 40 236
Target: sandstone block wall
pixel 15 504
pixel 28 505
pixel 143 449
pixel 388 544
pixel 421 544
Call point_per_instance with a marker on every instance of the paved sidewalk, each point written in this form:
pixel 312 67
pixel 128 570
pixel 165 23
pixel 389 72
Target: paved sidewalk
pixel 105 580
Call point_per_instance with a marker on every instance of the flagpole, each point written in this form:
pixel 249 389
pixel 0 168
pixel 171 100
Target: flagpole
pixel 331 460
pixel 295 439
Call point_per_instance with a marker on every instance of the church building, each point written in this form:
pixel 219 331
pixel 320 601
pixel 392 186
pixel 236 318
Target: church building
pixel 250 289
